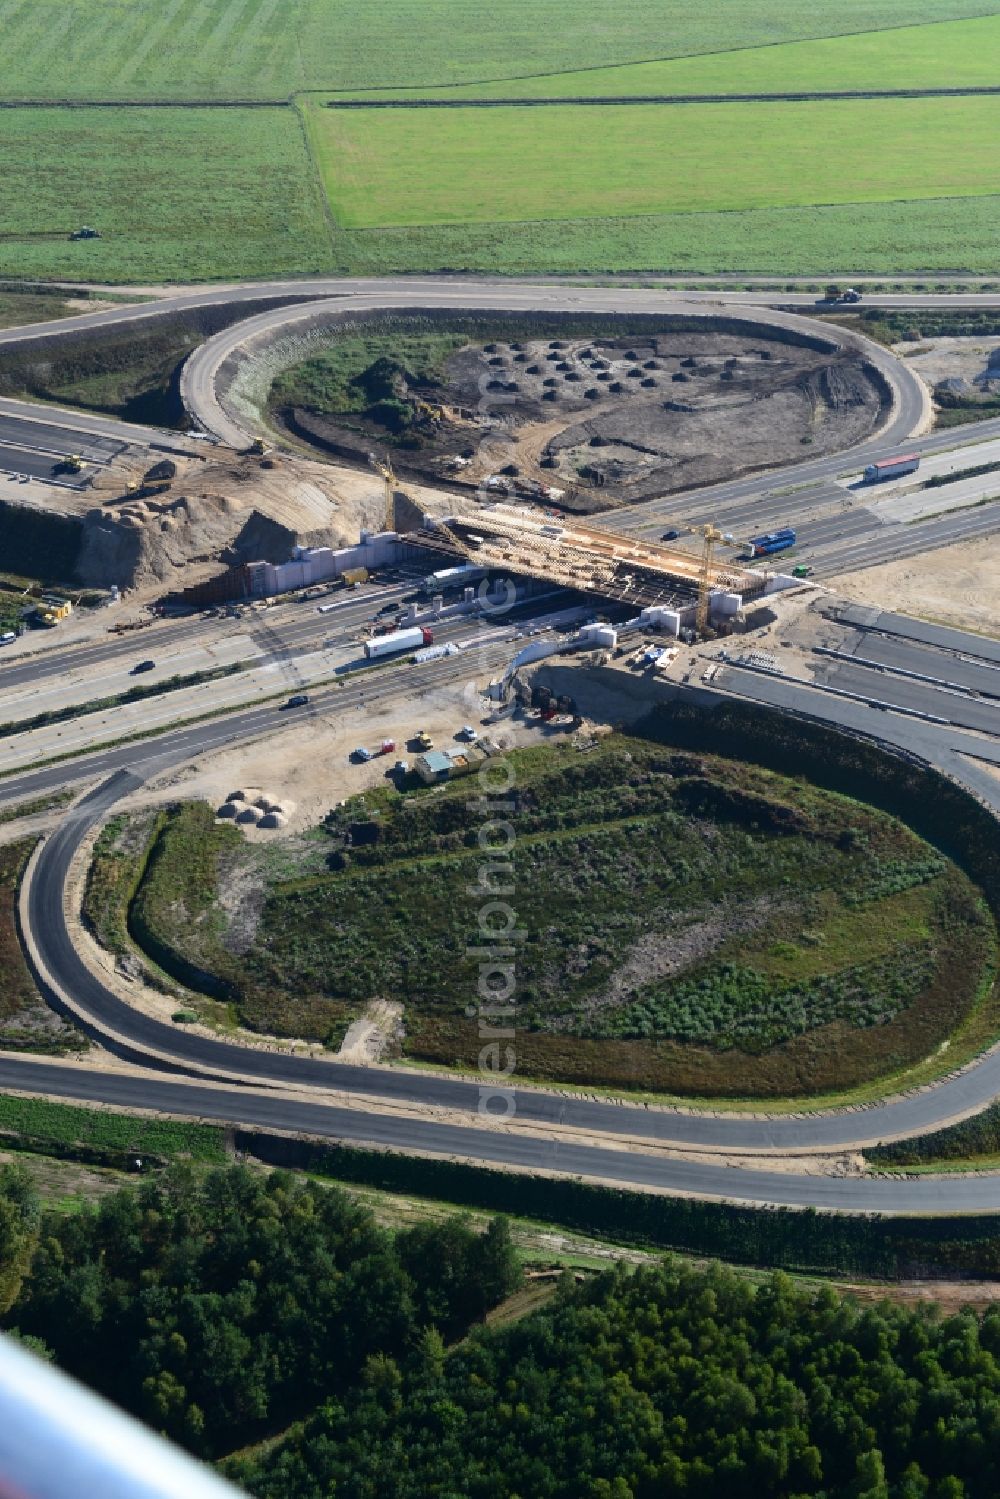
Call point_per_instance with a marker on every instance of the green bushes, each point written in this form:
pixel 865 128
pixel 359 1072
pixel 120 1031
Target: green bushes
pixel 684 916
pixel 737 1006
pixel 102 1137
pixel 826 1243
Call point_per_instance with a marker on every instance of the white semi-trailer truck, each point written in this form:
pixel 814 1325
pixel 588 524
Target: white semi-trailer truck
pixel 400 640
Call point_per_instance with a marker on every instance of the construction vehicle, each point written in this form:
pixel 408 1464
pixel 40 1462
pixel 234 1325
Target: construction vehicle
pixel 423 740
pixel 258 448
pixel 801 570
pixel 430 413
pixel 711 536
pixel 71 464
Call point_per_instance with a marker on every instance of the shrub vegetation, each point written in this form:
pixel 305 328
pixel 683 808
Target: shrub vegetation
pixel 691 924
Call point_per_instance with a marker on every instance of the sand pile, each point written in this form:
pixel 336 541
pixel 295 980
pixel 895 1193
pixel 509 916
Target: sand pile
pixel 228 509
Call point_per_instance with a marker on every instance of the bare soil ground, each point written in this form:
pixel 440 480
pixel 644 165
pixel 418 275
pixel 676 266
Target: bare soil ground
pixel 617 420
pixel 309 767
pixel 957 585
pixel 220 509
pixel 959 358
pixel 227 508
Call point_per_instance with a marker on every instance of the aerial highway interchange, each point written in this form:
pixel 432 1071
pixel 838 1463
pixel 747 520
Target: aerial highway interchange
pixel 925 691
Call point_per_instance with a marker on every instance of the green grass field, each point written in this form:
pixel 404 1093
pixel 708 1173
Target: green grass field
pixel 189 193
pixel 940 54
pixel 185 193
pixel 579 162
pixel 39 1123
pixel 260 49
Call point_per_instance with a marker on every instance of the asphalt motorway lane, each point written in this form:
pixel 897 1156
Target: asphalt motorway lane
pixel 506 1147
pixel 961 1094
pixel 261 1098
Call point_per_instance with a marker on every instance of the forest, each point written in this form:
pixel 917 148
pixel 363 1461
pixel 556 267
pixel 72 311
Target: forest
pixel 219 1308
pixel 668 1380
pixel 268 1323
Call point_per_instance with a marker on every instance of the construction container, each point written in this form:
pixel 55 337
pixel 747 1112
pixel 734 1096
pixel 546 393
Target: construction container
pixel 399 640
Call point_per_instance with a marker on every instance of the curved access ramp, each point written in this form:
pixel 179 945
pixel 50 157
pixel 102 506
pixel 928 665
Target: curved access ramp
pixel 144 1039
pixel 224 382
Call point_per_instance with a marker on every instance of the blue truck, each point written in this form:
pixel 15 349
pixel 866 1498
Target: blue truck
pixel 772 541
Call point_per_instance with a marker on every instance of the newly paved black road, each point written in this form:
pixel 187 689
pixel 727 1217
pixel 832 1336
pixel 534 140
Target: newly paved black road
pixel 259 1103
pixel 967 1092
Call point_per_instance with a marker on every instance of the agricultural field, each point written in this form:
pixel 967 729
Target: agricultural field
pixel 257 49
pixel 580 161
pixel 937 55
pixel 189 193
pixel 888 239
pixel 693 926
pixel 175 193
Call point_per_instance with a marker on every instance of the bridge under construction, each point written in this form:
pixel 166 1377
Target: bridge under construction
pixel 591 559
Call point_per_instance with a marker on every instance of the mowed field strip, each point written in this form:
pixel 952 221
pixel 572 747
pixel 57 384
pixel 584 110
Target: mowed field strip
pixel 413 166
pixel 183 193
pixel 940 54
pixel 188 192
pixel 252 49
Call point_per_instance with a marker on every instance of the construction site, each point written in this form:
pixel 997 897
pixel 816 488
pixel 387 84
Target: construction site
pixel 596 420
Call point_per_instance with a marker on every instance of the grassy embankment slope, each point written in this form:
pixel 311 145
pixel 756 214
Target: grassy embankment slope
pixel 693 926
pixel 192 193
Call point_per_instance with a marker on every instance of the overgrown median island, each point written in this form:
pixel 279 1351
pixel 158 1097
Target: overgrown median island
pixel 26 1022
pixel 692 925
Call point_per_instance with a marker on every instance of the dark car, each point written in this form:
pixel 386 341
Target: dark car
pixel 299 700
pixel 141 666
pixel 670 536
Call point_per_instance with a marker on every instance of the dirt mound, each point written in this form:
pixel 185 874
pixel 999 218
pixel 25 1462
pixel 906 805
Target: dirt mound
pixel 231 509
pixel 617 419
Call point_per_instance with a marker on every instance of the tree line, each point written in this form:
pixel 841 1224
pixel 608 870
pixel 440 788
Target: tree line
pixel 221 1307
pixel 269 1317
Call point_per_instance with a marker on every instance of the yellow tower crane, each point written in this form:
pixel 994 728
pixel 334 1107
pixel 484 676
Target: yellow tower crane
pixel 708 575
pixel 389 480
pixel 711 536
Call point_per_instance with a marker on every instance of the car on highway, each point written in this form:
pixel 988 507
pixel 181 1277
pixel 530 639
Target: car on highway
pixel 140 667
pixel 297 700
pixel 670 536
